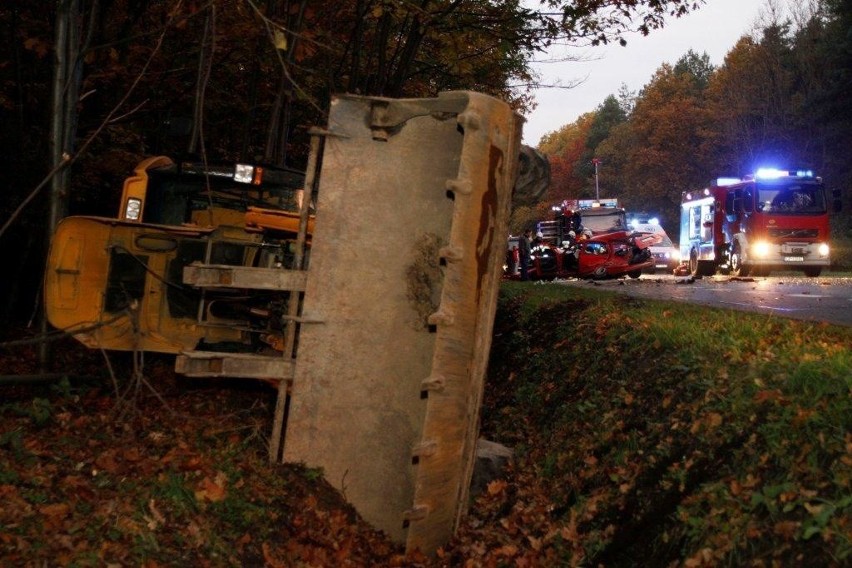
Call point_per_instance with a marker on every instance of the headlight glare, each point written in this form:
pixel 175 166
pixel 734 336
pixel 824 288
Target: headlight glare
pixel 823 249
pixel 760 249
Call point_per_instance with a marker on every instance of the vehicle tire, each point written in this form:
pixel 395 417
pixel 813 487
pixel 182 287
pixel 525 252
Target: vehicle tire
pixel 737 266
pixel 635 273
pixel 547 258
pixel 693 263
pixel 813 271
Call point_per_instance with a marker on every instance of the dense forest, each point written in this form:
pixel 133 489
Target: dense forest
pixel 780 98
pixel 90 87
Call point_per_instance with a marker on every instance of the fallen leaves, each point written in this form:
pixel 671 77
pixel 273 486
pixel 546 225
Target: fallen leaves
pixel 156 520
pixel 164 488
pixel 708 421
pixel 212 490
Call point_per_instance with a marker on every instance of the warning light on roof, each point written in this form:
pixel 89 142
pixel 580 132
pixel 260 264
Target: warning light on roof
pixel 773 173
pixel 770 173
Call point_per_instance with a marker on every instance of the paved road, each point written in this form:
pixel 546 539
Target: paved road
pixel 826 299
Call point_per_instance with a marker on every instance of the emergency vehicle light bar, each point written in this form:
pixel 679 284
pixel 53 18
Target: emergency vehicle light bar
pixel 772 173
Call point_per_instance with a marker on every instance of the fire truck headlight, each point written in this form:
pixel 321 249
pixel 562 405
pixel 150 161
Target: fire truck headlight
pixel 760 249
pixel 823 249
pixel 133 209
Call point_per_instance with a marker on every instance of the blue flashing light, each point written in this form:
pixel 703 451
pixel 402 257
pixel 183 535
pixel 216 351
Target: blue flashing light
pixel 653 221
pixel 773 173
pixel 770 173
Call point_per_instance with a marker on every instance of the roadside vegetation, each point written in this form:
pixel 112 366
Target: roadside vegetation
pixel 660 433
pixel 644 432
pixel 172 475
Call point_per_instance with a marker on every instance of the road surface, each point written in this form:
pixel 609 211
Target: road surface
pixel 827 299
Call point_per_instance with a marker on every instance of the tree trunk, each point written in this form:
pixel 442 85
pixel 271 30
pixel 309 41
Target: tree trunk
pixel 66 86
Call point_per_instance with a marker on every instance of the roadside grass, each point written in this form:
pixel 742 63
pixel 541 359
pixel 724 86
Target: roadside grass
pixel 645 433
pixel 666 433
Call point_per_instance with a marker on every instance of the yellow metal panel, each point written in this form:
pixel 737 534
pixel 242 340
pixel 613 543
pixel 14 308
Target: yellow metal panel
pixel 76 273
pixel 136 186
pixel 76 282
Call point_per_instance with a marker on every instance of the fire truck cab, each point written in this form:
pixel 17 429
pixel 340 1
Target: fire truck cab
pixel 772 220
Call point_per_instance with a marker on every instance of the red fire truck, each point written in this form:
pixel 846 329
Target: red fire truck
pixel 771 220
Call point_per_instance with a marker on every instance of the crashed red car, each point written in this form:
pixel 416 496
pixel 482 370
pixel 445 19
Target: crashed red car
pixel 608 255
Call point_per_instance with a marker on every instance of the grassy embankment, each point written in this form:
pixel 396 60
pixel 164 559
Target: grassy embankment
pixel 646 433
pixel 658 432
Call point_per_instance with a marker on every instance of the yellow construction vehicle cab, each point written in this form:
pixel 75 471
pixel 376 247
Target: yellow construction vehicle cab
pixel 120 283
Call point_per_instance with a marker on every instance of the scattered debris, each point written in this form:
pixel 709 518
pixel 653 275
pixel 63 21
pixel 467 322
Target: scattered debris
pixel 491 461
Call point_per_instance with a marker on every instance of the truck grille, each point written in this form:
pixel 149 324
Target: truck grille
pixel 794 233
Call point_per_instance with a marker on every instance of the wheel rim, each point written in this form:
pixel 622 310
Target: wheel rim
pixel 735 261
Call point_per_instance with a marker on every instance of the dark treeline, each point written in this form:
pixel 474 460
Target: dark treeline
pixel 105 83
pixel 780 98
pixel 226 80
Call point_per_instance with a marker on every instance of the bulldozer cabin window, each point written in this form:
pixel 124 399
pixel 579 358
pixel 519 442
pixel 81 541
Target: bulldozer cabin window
pixel 126 280
pixel 171 198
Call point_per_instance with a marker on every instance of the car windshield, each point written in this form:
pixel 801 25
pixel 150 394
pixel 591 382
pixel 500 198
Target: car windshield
pixel 797 198
pixel 604 223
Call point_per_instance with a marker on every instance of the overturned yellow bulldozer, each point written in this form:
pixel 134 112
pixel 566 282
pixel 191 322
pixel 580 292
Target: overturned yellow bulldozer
pixel 365 290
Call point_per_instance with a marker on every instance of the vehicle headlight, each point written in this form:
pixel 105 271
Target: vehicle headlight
pixel 823 249
pixel 133 209
pixel 243 173
pixel 760 249
pixel 675 255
